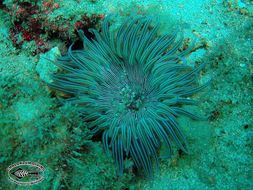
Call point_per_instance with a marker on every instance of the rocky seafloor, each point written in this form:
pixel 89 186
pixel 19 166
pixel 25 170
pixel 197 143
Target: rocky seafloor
pixel 35 127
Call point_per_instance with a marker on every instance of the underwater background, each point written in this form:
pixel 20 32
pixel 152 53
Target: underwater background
pixel 36 127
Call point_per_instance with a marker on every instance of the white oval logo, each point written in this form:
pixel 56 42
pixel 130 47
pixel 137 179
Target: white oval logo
pixel 25 173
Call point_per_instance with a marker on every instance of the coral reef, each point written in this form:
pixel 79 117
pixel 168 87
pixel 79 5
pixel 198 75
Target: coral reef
pixel 35 21
pixel 30 113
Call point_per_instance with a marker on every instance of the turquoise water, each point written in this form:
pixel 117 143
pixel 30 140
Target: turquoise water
pixel 38 126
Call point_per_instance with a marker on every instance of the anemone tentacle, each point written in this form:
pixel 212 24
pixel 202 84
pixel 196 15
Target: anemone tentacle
pixel 131 84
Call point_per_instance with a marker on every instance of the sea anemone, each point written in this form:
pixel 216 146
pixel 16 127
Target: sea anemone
pixel 131 85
